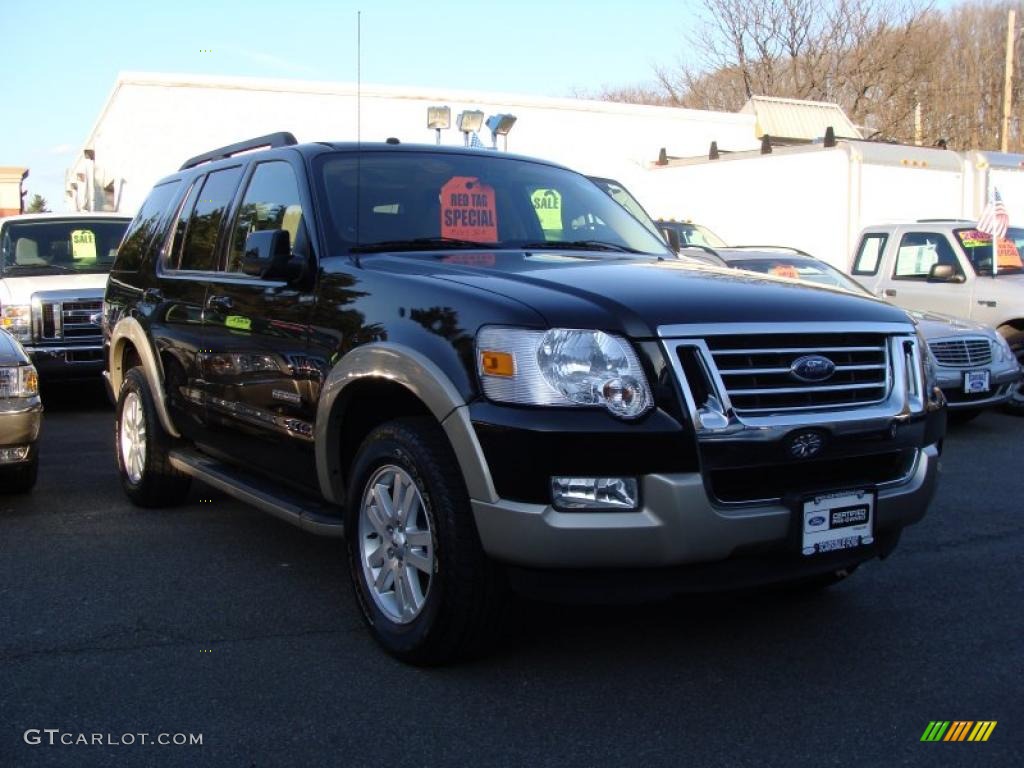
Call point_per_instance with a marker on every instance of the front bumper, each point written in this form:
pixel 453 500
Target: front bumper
pixel 20 421
pixel 67 362
pixel 1002 383
pixel 678 524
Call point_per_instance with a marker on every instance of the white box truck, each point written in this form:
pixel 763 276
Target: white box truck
pixel 814 197
pixel 1004 171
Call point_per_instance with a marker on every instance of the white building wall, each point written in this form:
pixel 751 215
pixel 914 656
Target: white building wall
pixel 152 123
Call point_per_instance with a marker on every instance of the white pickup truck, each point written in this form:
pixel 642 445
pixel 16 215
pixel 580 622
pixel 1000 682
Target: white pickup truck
pixel 53 271
pixel 945 265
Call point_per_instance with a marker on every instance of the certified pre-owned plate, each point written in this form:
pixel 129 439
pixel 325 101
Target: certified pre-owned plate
pixel 834 521
pixel 976 381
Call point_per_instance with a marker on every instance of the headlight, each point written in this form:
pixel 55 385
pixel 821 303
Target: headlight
pixel 17 319
pixel 19 381
pixel 562 367
pixel 929 371
pixel 1001 352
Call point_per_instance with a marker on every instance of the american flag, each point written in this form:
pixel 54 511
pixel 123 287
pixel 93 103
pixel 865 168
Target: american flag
pixel 994 219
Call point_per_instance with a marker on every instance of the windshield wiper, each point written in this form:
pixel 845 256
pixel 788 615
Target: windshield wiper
pixel 419 244
pixel 580 245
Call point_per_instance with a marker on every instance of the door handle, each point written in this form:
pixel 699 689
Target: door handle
pixel 889 292
pixel 986 303
pixel 152 296
pixel 220 303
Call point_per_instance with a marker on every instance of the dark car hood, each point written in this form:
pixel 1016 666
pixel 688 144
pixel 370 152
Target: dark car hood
pixel 636 296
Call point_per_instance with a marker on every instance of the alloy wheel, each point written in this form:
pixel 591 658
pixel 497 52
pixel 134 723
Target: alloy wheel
pixel 395 544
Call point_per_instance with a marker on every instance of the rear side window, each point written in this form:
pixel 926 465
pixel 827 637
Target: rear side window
pixel 869 255
pixel 919 252
pixel 199 250
pixel 146 228
pixel 271 202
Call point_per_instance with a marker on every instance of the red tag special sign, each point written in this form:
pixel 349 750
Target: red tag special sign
pixel 467 210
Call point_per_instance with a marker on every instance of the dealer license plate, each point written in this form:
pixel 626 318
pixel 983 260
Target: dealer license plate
pixel 976 381
pixel 835 521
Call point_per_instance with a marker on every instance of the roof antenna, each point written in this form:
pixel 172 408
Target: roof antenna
pixel 359 76
pixel 359 126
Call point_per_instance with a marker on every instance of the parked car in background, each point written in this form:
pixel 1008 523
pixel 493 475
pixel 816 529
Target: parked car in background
pixel 946 266
pixel 689 233
pixel 21 412
pixel 53 269
pixel 974 364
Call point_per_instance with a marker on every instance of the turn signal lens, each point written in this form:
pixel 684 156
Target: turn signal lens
pixel 497 363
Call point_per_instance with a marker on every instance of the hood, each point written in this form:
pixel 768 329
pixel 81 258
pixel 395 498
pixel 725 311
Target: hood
pixel 19 290
pixel 635 296
pixel 936 325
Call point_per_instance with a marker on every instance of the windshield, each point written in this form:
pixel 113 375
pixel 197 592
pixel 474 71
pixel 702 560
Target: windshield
pixel 978 247
pixel 797 268
pixel 394 200
pixel 60 246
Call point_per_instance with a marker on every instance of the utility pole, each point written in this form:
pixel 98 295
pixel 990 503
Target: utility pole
pixel 1008 82
pixel 918 133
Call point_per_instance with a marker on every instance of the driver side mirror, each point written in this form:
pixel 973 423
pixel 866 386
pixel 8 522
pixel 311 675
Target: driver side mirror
pixel 944 273
pixel 268 256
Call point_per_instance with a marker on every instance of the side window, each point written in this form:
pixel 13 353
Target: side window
pixel 145 227
pixel 271 202
pixel 919 252
pixel 199 250
pixel 869 254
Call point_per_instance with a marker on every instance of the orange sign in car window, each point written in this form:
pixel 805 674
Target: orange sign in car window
pixel 1009 255
pixel 785 270
pixel 468 211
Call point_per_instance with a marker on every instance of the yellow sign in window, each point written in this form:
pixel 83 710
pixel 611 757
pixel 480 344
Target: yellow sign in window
pixel 548 204
pixel 83 245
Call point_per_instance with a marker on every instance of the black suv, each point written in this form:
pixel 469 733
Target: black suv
pixel 488 373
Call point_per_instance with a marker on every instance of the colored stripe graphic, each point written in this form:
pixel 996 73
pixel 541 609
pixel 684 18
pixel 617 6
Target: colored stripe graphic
pixel 958 730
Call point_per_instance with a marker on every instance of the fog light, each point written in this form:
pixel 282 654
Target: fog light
pixel 11 455
pixel 594 492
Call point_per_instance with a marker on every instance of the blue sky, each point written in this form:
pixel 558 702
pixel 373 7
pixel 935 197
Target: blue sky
pixel 61 57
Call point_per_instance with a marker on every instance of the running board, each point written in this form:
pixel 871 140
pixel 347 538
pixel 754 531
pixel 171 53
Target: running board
pixel 290 507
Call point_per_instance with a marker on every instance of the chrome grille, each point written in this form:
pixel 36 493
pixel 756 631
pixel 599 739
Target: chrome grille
pixel 962 353
pixel 756 370
pixel 69 320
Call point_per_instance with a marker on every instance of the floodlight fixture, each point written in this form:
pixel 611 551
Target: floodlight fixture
pixel 500 125
pixel 439 119
pixel 469 122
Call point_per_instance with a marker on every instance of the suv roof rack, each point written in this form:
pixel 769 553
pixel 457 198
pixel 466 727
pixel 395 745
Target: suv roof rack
pixel 270 141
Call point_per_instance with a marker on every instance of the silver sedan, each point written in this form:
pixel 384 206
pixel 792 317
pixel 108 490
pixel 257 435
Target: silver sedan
pixel 21 413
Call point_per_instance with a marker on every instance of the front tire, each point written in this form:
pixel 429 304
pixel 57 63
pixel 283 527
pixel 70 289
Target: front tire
pixel 425 587
pixel 1015 405
pixel 143 448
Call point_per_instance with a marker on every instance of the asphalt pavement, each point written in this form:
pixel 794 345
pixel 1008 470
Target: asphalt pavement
pixel 215 620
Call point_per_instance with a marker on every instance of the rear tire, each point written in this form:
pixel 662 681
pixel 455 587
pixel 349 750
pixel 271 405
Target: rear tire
pixel 142 448
pixel 22 478
pixel 425 587
pixel 1015 405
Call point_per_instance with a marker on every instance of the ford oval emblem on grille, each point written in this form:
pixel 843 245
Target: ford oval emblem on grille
pixel 806 445
pixel 812 368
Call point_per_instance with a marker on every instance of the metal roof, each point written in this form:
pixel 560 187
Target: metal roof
pixel 795 119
